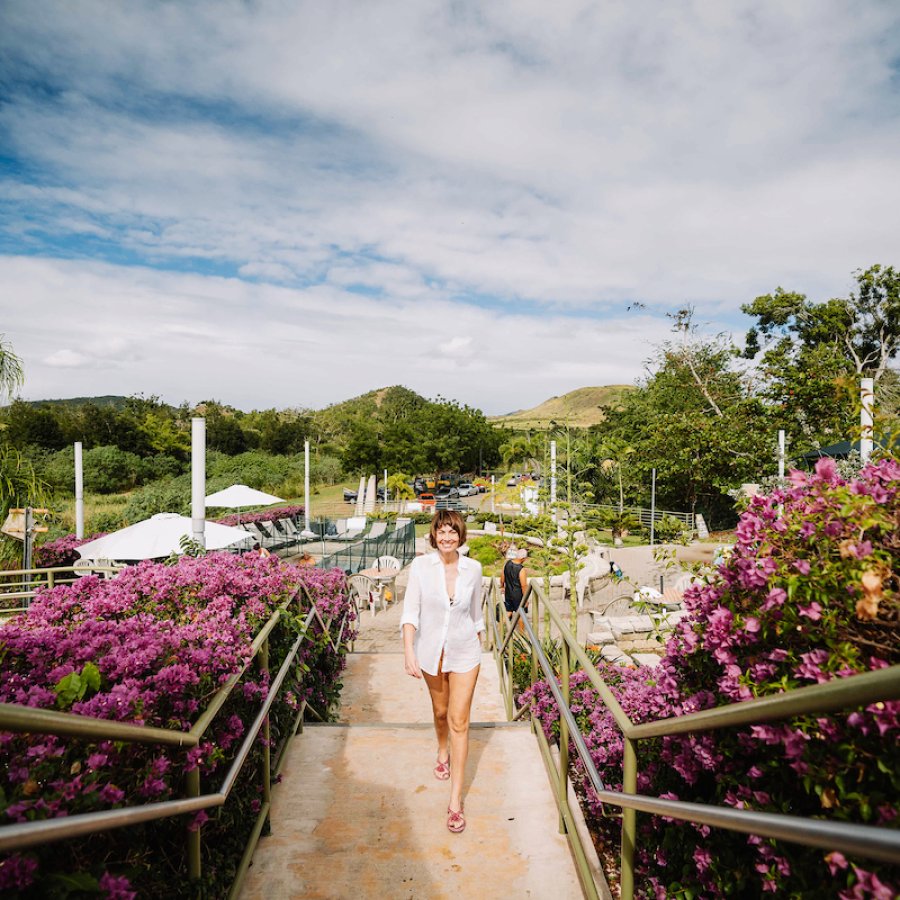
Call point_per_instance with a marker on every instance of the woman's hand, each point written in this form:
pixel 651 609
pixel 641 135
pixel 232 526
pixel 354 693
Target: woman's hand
pixel 411 664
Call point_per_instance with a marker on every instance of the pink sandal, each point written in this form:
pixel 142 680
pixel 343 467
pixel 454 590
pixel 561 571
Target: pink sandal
pixel 442 770
pixel 456 821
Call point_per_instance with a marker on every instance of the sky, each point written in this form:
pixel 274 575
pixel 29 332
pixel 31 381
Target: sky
pixel 287 204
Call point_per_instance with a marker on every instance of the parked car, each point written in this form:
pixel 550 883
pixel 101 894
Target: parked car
pixel 466 489
pixel 513 481
pixel 350 496
pixel 426 499
pixel 446 493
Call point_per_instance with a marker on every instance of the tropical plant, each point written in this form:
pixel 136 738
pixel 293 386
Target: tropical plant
pixel 810 593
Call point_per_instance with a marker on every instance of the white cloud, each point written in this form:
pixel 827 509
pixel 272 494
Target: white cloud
pixel 188 337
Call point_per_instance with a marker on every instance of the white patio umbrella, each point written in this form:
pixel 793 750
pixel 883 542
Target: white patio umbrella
pixel 239 495
pixel 158 536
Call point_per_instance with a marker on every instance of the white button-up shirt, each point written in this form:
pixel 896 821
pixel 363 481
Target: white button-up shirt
pixel 439 626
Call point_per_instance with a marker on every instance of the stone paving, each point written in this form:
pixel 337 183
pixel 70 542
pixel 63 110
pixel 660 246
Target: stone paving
pixel 360 814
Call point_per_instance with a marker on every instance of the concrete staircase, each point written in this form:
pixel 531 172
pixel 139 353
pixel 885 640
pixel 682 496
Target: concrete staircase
pixel 359 813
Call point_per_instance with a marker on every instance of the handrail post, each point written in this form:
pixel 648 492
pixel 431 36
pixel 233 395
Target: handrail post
pixel 563 735
pixel 510 666
pixel 193 835
pixel 535 627
pixel 629 818
pixel 266 763
pixel 50 579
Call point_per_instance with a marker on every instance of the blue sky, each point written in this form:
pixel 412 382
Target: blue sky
pixel 287 204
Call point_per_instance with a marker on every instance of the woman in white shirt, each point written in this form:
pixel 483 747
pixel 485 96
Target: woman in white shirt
pixel 442 629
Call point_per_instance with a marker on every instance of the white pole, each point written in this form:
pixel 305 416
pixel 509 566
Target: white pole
pixel 652 506
pixel 79 492
pixel 781 453
pixel 867 398
pixel 553 479
pixel 493 480
pixel 306 486
pixel 385 489
pixel 198 479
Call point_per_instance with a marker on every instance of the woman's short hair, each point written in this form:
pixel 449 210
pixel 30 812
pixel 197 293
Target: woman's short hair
pixel 449 517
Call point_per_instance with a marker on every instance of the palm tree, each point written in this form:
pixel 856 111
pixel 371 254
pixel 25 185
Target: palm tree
pixel 17 478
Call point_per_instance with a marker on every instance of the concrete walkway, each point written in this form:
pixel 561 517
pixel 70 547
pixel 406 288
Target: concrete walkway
pixel 360 814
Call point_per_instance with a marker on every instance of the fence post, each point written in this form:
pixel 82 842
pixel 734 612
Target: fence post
pixel 510 663
pixel 629 819
pixel 192 789
pixel 563 733
pixel 266 763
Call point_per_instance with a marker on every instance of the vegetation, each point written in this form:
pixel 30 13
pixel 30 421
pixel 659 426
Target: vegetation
pixel 582 407
pixel 811 593
pixel 153 646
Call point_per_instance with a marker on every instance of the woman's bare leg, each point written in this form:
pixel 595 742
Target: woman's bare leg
pixel 439 688
pixel 462 687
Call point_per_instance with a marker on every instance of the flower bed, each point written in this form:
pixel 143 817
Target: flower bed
pixel 152 647
pixel 810 593
pixel 61 551
pixel 265 515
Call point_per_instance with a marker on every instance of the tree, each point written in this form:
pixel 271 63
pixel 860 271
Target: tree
pixel 12 375
pixel 18 482
pixel 813 354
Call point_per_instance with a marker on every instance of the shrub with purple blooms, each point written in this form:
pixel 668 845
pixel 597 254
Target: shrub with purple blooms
pixel 263 515
pixel 810 593
pixel 152 647
pixel 61 551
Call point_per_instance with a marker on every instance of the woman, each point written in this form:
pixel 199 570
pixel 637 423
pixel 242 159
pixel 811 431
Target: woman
pixel 442 630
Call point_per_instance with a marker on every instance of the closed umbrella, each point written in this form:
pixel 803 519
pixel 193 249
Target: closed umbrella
pixel 159 536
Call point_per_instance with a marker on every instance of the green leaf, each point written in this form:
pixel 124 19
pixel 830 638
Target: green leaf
pixel 69 883
pixel 68 690
pixel 90 675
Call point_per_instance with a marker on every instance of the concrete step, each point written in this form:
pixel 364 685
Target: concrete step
pixel 359 813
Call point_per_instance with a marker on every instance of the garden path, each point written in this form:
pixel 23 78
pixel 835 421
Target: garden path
pixel 359 812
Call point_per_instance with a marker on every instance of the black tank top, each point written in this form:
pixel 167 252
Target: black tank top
pixel 512 588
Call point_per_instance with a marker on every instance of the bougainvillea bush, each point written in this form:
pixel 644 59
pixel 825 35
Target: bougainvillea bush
pixel 809 594
pixel 264 515
pixel 152 647
pixel 61 551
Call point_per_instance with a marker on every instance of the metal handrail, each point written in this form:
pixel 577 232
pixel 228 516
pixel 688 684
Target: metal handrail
pixel 17 836
pixel 865 840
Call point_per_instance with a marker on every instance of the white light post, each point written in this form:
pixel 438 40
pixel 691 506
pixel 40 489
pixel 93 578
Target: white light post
pixel 867 399
pixel 306 486
pixel 79 492
pixel 781 453
pixel 652 507
pixel 198 480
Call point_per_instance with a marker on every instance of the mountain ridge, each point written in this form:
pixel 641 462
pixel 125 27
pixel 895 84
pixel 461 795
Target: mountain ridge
pixel 580 407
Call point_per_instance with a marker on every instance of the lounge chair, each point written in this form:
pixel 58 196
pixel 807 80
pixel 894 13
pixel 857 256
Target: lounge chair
pixel 356 525
pixel 377 529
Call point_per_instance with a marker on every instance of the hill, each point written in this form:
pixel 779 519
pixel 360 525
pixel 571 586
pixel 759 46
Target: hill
pixel 581 407
pixel 113 400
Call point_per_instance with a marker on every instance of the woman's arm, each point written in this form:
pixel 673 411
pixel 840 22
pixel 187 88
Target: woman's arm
pixel 410 663
pixel 475 610
pixel 409 622
pixel 523 582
